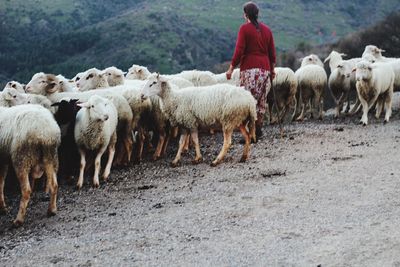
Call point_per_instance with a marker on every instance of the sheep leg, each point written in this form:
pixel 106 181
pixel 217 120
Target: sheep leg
pixel 301 116
pixel 161 140
pixel 3 174
pixel 23 178
pixel 164 148
pixel 339 106
pixel 195 138
pixel 81 168
pixel 365 108
pixel 107 170
pixel 182 142
pixel 53 188
pixel 379 106
pixel 246 148
pixel 388 105
pixel 187 144
pixel 356 107
pixel 225 147
pixel 97 166
pixel 348 103
pixel 321 105
pixel 294 109
pixel 141 144
pixel 128 146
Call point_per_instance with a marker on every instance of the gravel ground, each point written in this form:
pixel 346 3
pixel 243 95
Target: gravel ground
pixel 327 194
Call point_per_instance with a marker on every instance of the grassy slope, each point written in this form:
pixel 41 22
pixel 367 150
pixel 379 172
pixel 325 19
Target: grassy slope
pixel 166 35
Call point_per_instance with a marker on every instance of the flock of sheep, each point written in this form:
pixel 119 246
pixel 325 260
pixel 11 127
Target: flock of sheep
pixel 54 121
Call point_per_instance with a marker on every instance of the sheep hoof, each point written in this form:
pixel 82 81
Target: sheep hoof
pixel 385 121
pixel 243 159
pixel 155 158
pixel 214 163
pixel 78 186
pixel 174 164
pixel 17 223
pixel 364 124
pixel 51 213
pixel 197 161
pixel 96 185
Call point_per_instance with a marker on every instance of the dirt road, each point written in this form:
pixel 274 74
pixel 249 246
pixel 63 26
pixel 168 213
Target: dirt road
pixel 328 194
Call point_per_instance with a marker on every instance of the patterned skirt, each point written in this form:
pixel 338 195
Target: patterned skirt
pixel 258 83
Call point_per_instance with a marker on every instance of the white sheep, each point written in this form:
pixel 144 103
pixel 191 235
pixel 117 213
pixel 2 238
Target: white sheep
pixel 376 52
pixel 65 84
pixel 14 97
pixel 312 79
pixel 16 85
pixel 141 73
pixel 285 87
pixel 374 84
pixel 95 130
pixel 97 80
pixel 29 138
pixel 114 76
pixel 394 63
pixel 48 86
pixel 197 77
pixel 235 79
pixel 9 97
pixel 231 106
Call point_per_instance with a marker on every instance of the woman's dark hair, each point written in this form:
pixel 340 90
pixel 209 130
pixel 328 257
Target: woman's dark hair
pixel 251 11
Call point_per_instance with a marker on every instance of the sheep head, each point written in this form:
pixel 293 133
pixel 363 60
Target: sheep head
pixel 43 84
pixel 92 79
pixel 137 72
pixel 114 76
pixel 363 71
pixel 155 85
pixel 97 108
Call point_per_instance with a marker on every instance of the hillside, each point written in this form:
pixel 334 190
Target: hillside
pixel 63 36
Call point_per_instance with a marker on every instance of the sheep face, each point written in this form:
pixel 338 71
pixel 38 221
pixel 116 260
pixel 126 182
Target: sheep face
pixel 137 72
pixel 154 86
pixel 12 96
pixel 363 71
pixel 43 84
pixel 373 50
pixel 97 108
pixel 90 79
pixel 16 85
pixel 114 76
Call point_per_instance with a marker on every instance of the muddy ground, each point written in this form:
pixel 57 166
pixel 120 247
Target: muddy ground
pixel 327 194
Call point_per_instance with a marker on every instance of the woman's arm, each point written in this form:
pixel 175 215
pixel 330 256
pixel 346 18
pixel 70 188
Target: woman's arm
pixel 239 50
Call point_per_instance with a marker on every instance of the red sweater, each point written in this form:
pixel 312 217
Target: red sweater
pixel 254 49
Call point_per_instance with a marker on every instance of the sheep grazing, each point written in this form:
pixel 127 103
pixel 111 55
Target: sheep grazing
pixel 224 104
pixel 29 137
pixel 375 84
pixel 114 76
pixel 285 88
pixel 16 85
pixel 312 79
pixel 95 130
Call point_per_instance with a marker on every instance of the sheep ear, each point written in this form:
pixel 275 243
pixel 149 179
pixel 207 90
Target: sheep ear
pixel 353 70
pixel 123 73
pixel 56 104
pixel 83 105
pixel 51 87
pixel 140 71
pixel 327 59
pixel 73 101
pixel 343 55
pixel 382 50
pixel 158 75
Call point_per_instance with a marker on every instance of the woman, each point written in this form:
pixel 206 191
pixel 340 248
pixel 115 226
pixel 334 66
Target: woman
pixel 255 52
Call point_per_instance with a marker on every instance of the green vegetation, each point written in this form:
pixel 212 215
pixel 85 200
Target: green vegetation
pixel 68 36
